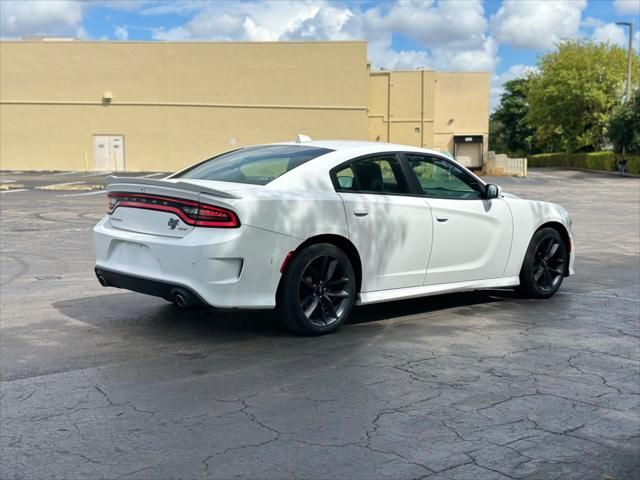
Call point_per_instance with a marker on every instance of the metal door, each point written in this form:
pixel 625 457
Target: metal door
pixel 101 155
pixel 108 153
pixel 469 154
pixel 116 146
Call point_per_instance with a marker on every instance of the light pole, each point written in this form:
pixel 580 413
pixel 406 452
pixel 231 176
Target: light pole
pixel 630 25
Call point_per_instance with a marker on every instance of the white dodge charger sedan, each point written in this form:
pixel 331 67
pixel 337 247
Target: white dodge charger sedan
pixel 313 227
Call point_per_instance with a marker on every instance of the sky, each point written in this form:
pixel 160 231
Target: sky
pixel 504 37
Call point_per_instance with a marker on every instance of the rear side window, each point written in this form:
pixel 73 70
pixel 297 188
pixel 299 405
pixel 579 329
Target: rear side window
pixel 256 165
pixel 381 174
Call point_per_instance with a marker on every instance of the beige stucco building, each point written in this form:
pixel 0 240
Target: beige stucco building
pixel 155 106
pixel 444 111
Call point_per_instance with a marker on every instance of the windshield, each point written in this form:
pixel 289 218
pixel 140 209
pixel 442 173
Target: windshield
pixel 256 165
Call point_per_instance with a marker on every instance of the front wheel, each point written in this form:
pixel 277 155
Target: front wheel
pixel 544 264
pixel 317 291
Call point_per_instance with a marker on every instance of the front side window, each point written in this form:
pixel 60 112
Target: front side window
pixel 256 165
pixel 440 178
pixel 380 174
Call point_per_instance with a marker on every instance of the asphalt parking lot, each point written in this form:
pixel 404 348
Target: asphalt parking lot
pixel 102 383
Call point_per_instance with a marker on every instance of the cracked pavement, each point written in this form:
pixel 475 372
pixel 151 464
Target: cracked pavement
pixel 102 383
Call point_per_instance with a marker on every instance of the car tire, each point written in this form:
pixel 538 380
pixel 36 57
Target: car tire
pixel 545 264
pixel 317 290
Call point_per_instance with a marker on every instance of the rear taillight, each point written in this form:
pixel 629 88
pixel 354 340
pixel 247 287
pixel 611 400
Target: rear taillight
pixel 192 213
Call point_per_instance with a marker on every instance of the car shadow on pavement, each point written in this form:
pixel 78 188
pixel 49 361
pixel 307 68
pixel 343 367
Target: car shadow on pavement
pixel 134 314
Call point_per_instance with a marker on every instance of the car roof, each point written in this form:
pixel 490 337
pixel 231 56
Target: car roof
pixel 313 175
pixel 344 145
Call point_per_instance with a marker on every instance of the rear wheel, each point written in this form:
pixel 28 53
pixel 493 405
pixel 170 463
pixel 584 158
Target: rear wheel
pixel 317 291
pixel 544 264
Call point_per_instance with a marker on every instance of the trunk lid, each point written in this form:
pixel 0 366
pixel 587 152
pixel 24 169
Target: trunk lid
pixel 162 207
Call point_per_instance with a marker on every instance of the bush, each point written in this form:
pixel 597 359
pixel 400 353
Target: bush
pixel 624 126
pixel 606 161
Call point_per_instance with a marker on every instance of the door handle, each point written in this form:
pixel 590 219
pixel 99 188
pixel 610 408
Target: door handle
pixel 442 219
pixel 360 213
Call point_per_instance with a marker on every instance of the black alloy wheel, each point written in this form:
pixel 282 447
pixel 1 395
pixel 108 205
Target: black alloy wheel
pixel 322 295
pixel 317 290
pixel 545 264
pixel 548 264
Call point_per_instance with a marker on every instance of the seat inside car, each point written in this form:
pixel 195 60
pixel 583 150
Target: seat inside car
pixel 369 176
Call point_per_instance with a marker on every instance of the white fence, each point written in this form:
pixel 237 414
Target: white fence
pixel 499 165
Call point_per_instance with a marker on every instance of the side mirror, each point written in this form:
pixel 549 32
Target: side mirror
pixel 492 191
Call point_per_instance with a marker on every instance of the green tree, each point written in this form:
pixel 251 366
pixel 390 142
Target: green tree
pixel 574 92
pixel 512 132
pixel 624 126
pixel 496 136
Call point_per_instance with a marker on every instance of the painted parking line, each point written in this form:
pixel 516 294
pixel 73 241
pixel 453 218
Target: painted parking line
pixel 6 180
pixel 14 191
pixel 97 174
pixel 64 173
pixel 57 186
pixel 83 187
pixel 153 175
pixel 97 192
pixel 11 186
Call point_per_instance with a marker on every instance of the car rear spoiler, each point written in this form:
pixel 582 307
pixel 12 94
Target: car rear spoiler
pixel 133 184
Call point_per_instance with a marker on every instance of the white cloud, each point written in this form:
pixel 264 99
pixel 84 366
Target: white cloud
pixel 205 27
pixel 81 33
pixel 121 33
pixel 327 22
pixel 382 56
pixel 182 7
pixel 449 35
pixel 535 24
pixel 614 35
pixel 483 58
pixel 591 22
pixel 426 21
pixel 627 7
pixel 610 33
pixel 250 21
pixel 44 17
pixel 498 81
pixel 126 5
pixel 446 23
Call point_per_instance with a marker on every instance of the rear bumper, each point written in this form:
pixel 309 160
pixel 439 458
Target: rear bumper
pixel 224 268
pixel 148 286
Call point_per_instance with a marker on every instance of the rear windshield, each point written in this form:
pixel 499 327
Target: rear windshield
pixel 257 165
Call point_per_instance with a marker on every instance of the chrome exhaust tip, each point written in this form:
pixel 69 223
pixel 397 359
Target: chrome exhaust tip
pixel 180 300
pixel 102 281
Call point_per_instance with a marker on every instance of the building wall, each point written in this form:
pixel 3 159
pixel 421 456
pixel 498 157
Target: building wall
pixel 461 107
pixel 401 107
pixel 174 103
pixel 178 103
pixel 426 108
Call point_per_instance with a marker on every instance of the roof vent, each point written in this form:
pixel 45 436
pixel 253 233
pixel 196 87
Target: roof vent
pixel 303 138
